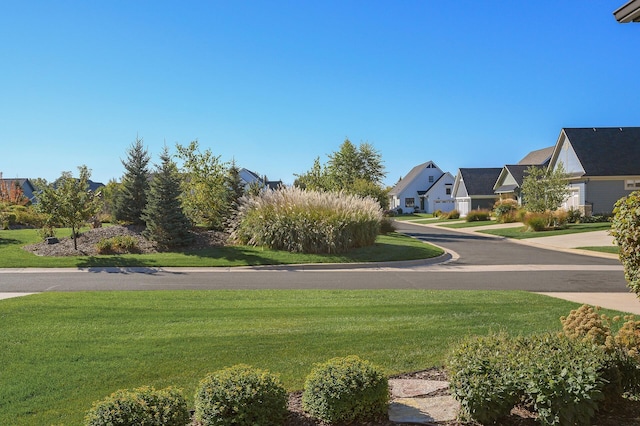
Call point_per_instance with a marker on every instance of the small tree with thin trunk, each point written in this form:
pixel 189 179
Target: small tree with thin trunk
pixel 544 190
pixel 166 222
pixel 69 201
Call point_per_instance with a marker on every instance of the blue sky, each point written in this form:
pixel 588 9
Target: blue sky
pixel 275 84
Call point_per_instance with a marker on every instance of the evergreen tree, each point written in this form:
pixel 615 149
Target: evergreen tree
pixel 166 222
pixel 131 196
pixel 235 188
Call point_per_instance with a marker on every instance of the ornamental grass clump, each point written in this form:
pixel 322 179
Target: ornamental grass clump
pixel 241 395
pixel 144 406
pixel 302 221
pixel 346 390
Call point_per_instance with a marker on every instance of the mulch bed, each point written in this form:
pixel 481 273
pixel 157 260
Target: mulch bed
pixel 88 240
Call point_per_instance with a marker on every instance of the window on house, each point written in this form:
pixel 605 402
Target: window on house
pixel 632 184
pixel 448 190
pixel 409 202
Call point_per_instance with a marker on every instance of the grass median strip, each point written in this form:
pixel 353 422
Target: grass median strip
pixel 520 233
pixel 391 247
pixel 62 351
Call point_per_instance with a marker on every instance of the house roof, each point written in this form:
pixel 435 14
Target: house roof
pixel 628 12
pixel 540 156
pixel 480 181
pixel 404 182
pixel 518 171
pixel 606 151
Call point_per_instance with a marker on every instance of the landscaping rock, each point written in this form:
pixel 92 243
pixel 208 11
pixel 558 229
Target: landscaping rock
pixel 424 410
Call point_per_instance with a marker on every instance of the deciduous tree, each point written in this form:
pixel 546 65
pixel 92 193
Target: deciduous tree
pixel 69 200
pixel 204 194
pixel 544 189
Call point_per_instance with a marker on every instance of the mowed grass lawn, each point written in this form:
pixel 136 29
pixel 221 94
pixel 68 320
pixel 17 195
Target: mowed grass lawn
pixel 520 232
pixel 62 351
pixel 391 247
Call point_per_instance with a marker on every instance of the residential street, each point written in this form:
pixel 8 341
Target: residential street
pixel 478 262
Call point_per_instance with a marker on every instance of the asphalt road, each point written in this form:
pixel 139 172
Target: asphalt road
pixel 478 263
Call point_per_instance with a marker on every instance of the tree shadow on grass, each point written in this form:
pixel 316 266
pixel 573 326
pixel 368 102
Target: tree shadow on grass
pixel 234 255
pixel 118 265
pixel 9 241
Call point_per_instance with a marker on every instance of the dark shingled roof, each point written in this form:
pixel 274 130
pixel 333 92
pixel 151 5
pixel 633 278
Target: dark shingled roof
pixel 540 156
pixel 480 181
pixel 607 151
pixel 518 171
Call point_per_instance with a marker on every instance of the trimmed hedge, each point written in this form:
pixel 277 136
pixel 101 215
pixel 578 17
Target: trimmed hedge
pixel 143 406
pixel 346 390
pixel 241 395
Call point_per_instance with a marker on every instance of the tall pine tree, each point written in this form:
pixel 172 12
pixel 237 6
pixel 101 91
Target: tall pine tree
pixel 131 197
pixel 166 222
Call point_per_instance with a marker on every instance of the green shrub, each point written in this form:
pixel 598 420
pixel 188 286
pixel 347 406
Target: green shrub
pixel 303 221
pixel 625 228
pixel 47 231
pixel 564 379
pixel 561 379
pixel 119 244
pixel 386 226
pixel 241 395
pixel 482 377
pixel 574 215
pixel 142 406
pixel 478 216
pixel 345 390
pixel 453 214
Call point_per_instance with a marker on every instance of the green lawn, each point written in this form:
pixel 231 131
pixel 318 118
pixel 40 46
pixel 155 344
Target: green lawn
pixel 390 247
pixel 473 224
pixel 62 351
pixel 573 228
pixel 603 249
pixel 413 216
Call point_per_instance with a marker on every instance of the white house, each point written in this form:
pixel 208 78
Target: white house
pixel 425 188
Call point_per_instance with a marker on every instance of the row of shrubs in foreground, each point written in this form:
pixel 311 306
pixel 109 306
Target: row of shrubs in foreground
pixel 564 378
pixel 342 390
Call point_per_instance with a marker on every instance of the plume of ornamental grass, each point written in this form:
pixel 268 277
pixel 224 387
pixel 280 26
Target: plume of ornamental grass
pixel 302 221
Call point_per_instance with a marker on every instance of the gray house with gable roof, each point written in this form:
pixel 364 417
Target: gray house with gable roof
pixel 512 175
pixel 473 189
pixel 603 164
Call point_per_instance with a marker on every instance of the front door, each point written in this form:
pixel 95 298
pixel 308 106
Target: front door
pixel 422 204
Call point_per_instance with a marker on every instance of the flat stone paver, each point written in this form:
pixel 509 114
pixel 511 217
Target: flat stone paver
pixel 409 388
pixel 423 410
